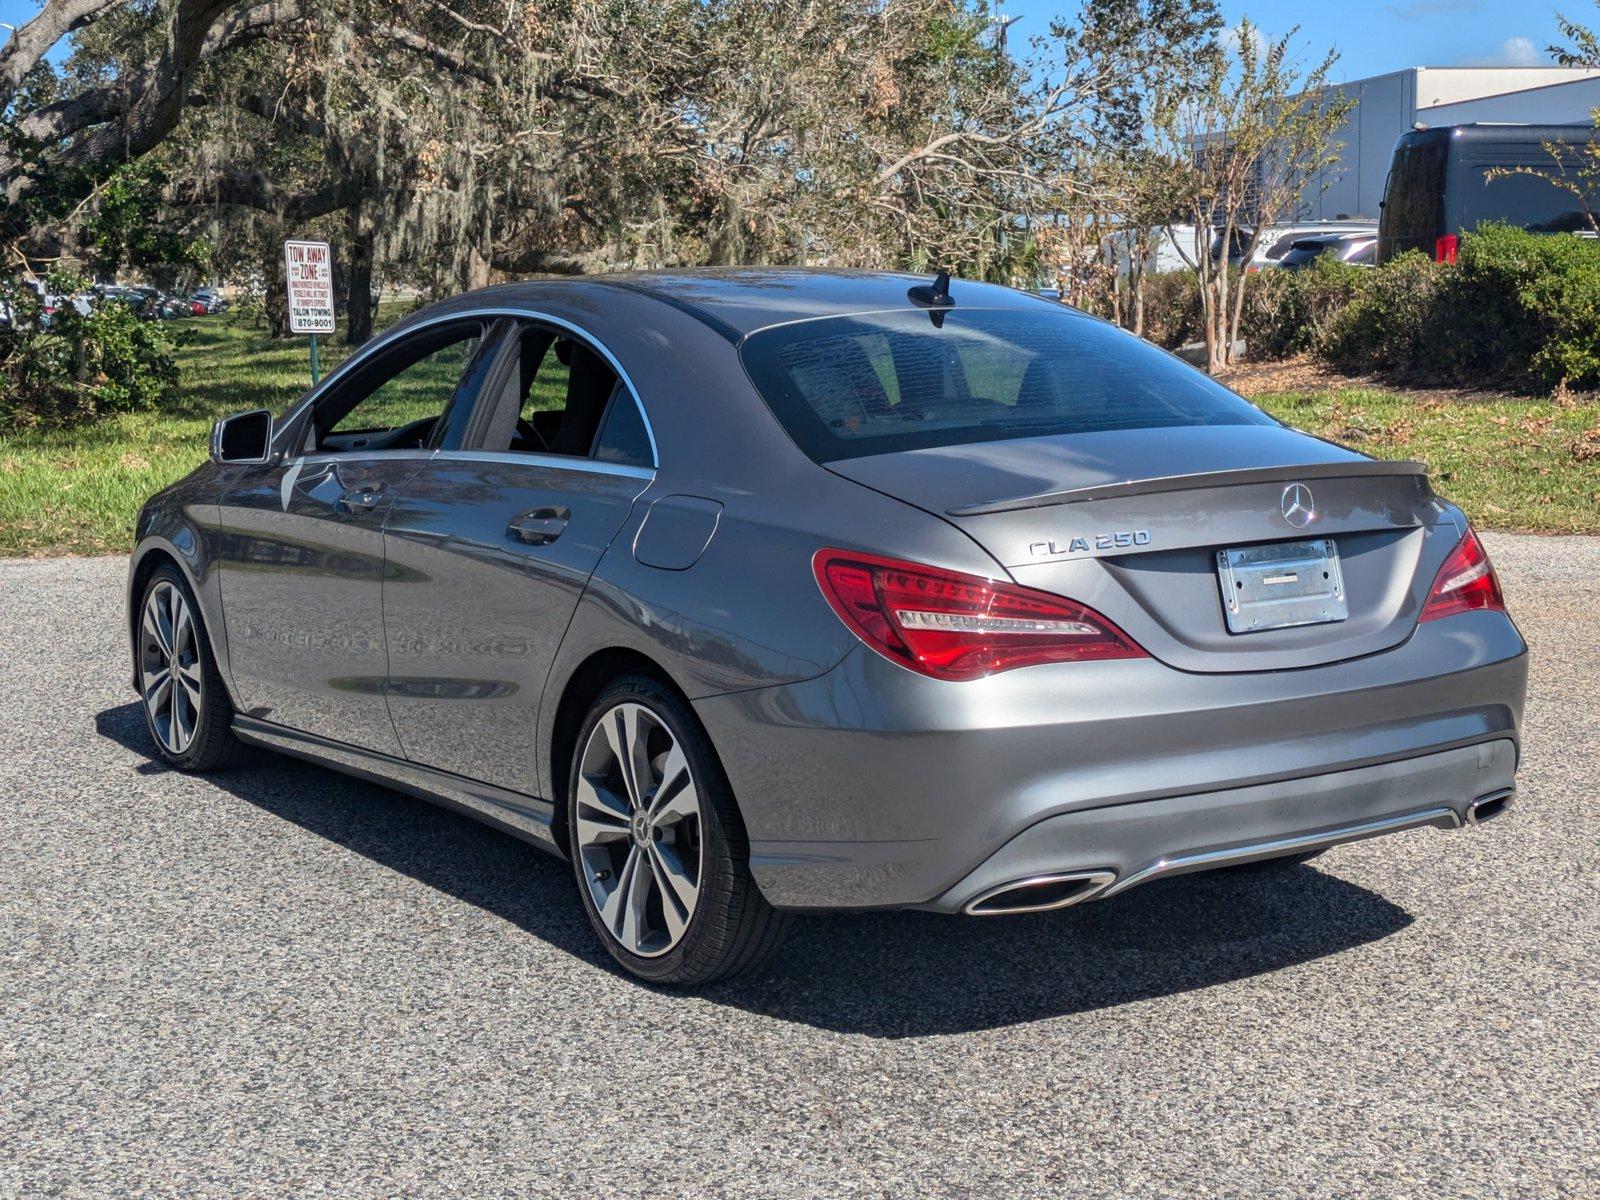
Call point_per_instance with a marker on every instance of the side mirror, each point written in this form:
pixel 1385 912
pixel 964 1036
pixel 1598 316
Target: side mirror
pixel 243 438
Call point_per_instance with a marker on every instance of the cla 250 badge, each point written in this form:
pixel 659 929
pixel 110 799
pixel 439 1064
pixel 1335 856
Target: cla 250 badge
pixel 1121 540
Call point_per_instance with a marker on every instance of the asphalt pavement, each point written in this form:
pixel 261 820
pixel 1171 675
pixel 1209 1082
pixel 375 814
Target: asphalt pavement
pixel 281 982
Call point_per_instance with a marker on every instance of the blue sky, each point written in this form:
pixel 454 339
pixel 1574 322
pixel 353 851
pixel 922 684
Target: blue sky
pixel 1375 36
pixel 1372 36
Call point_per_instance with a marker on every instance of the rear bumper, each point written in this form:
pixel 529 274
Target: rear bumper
pixel 871 786
pixel 1155 839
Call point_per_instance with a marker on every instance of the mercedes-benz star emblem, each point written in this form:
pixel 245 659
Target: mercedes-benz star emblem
pixel 1299 505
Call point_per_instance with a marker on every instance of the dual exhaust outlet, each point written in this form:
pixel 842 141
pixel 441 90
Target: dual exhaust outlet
pixel 1062 889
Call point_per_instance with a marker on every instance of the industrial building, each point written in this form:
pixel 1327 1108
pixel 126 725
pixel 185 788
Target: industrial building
pixel 1389 105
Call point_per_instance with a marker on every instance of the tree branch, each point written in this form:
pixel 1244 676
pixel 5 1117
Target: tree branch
pixel 29 44
pixel 251 189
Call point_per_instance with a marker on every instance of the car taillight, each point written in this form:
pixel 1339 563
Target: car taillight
pixel 1444 250
pixel 955 626
pixel 1466 581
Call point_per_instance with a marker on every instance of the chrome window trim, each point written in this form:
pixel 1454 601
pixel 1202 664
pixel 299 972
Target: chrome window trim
pixel 323 456
pixel 489 313
pixel 563 462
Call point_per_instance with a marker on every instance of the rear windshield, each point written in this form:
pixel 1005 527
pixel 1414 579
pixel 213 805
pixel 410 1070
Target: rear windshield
pixel 1413 200
pixel 845 387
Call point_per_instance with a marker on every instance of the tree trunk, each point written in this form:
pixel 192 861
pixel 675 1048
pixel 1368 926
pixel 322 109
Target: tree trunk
pixel 1137 262
pixel 1237 316
pixel 276 301
pixel 358 304
pixel 477 268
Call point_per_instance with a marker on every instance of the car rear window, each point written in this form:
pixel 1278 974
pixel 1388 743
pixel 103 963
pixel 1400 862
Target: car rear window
pixel 1413 199
pixel 878 383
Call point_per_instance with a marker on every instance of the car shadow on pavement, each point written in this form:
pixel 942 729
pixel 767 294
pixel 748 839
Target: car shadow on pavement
pixel 887 974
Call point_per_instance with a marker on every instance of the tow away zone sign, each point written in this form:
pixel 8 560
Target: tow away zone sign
pixel 308 267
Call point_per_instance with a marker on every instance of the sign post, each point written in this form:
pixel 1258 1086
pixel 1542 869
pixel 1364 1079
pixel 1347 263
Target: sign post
pixel 308 272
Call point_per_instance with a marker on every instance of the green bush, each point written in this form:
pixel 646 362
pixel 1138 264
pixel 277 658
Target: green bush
pixel 68 368
pixel 1386 326
pixel 1172 308
pixel 1528 308
pixel 1517 310
pixel 1288 312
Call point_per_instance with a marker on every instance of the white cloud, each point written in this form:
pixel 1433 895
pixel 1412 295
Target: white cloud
pixel 1513 52
pixel 1520 52
pixel 1233 39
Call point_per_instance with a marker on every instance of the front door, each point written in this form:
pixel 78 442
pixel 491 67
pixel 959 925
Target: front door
pixel 490 548
pixel 302 561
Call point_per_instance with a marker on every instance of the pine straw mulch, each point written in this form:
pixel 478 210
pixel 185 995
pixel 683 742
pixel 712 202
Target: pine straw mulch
pixel 1306 374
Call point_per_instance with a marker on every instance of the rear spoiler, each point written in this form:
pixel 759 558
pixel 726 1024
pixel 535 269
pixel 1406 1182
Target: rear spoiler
pixel 1202 479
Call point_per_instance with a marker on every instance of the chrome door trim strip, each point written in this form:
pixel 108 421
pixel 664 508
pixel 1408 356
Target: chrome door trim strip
pixel 525 817
pixel 355 456
pixel 1442 817
pixel 485 313
pixel 561 462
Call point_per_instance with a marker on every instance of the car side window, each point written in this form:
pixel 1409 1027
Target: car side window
pixel 624 440
pixel 560 399
pixel 402 399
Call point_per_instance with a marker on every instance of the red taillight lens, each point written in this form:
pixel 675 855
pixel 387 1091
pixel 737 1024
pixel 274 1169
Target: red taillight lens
pixel 955 626
pixel 1444 250
pixel 1466 581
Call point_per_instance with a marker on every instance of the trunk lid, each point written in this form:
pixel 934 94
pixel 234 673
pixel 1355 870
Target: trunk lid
pixel 1131 522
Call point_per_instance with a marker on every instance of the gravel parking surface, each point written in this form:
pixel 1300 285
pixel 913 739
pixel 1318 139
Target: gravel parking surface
pixel 282 982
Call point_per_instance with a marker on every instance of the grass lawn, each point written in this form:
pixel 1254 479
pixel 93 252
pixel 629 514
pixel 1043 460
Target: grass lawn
pixel 1512 463
pixel 78 491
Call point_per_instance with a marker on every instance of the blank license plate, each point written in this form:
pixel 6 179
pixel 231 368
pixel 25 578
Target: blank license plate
pixel 1284 584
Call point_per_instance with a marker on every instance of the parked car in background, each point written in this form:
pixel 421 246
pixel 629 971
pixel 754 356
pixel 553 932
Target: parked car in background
pixel 760 590
pixel 1265 247
pixel 111 293
pixel 170 308
pixel 210 300
pixel 1357 249
pixel 1447 181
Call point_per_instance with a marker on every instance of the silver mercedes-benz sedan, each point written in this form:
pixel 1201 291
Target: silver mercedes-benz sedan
pixel 757 591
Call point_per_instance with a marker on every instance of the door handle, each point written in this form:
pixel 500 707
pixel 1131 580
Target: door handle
pixel 362 499
pixel 539 526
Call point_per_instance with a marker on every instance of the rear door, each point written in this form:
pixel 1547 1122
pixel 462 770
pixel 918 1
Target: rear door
pixel 1413 216
pixel 489 548
pixel 301 557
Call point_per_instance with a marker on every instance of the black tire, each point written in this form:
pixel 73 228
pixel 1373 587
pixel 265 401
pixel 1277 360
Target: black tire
pixel 213 745
pixel 732 928
pixel 1275 866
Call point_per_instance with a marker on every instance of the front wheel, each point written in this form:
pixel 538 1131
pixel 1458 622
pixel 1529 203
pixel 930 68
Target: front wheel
pixel 657 843
pixel 185 702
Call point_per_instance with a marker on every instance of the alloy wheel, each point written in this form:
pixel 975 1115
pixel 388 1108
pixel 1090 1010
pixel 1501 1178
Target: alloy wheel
pixel 169 667
pixel 639 830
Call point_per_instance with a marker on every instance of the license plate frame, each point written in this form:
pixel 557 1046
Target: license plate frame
pixel 1281 585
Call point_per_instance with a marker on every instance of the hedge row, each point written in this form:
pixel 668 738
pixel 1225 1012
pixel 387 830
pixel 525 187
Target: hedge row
pixel 1517 310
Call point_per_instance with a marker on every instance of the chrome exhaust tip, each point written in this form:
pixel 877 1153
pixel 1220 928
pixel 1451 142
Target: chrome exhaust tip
pixel 1040 893
pixel 1487 808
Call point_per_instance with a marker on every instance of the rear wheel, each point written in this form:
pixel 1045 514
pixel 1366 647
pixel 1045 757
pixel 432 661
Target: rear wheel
pixel 186 705
pixel 657 844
